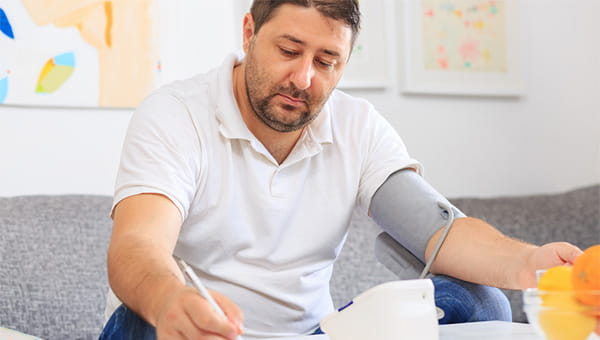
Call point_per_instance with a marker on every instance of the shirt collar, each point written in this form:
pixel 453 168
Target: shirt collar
pixel 232 125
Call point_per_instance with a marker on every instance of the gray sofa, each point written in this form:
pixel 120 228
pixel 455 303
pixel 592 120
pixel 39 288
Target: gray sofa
pixel 53 248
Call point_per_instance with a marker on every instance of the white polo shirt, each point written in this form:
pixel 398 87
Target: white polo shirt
pixel 262 233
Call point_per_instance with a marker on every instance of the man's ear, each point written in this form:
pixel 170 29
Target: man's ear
pixel 247 31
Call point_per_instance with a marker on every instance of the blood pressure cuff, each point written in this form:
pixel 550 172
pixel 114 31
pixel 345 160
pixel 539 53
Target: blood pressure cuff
pixel 406 207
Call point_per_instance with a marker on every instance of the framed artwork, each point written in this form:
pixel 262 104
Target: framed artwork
pixel 463 47
pixel 81 53
pixel 106 53
pixel 368 65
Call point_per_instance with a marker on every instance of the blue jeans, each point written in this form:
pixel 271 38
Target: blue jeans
pixel 469 302
pixel 461 302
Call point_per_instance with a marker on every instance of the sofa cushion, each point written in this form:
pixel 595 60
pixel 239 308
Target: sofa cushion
pixel 52 267
pixel 53 253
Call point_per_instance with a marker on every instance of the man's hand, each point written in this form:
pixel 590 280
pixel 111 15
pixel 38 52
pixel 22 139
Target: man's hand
pixel 544 257
pixel 187 315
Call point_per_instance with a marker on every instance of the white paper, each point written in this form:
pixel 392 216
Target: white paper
pixel 488 330
pixel 9 334
pixel 303 337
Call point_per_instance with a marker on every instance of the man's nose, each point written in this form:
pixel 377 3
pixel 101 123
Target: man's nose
pixel 303 73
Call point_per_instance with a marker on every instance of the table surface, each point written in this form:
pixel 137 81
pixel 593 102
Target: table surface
pixel 488 330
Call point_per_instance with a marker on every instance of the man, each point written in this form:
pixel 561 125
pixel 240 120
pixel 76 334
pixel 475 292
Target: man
pixel 250 174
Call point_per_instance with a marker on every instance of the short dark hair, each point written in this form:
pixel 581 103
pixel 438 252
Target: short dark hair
pixel 343 10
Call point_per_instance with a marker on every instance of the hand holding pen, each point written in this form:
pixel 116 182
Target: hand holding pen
pixel 189 272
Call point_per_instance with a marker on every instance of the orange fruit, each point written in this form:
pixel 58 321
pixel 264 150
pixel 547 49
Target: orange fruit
pixel 556 279
pixel 586 276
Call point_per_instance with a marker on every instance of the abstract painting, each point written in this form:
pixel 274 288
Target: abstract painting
pixel 462 47
pixel 464 35
pixel 84 53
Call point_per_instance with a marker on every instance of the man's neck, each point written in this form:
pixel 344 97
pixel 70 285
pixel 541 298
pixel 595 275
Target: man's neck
pixel 279 144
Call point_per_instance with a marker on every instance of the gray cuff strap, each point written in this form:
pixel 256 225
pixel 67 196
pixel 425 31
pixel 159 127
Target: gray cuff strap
pixel 406 207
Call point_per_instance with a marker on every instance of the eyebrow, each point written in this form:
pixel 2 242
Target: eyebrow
pixel 303 43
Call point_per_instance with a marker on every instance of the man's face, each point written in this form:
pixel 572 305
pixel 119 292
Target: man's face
pixel 292 65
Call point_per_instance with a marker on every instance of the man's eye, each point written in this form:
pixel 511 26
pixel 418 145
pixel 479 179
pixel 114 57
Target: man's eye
pixel 325 64
pixel 288 52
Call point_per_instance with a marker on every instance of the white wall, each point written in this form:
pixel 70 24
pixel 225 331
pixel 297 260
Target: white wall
pixel 546 141
pixel 56 151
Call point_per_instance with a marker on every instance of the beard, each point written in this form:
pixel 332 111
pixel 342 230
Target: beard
pixel 281 118
pixel 262 97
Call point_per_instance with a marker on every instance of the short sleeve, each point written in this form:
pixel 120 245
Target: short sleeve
pixel 161 153
pixel 384 153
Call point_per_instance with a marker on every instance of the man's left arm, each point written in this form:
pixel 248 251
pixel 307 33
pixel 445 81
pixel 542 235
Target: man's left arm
pixel 408 209
pixel 477 252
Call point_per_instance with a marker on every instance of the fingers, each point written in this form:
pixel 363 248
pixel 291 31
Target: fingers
pixel 557 253
pixel 231 310
pixel 568 252
pixel 547 256
pixel 187 315
pixel 209 320
pixel 184 328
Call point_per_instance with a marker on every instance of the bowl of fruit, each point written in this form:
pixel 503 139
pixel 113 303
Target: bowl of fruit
pixel 566 303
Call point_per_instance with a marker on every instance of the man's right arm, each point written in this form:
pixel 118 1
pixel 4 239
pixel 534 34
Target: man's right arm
pixel 146 278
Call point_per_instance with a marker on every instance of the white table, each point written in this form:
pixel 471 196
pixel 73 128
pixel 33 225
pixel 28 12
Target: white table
pixel 488 330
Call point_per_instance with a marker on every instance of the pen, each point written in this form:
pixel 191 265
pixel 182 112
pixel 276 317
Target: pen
pixel 189 272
